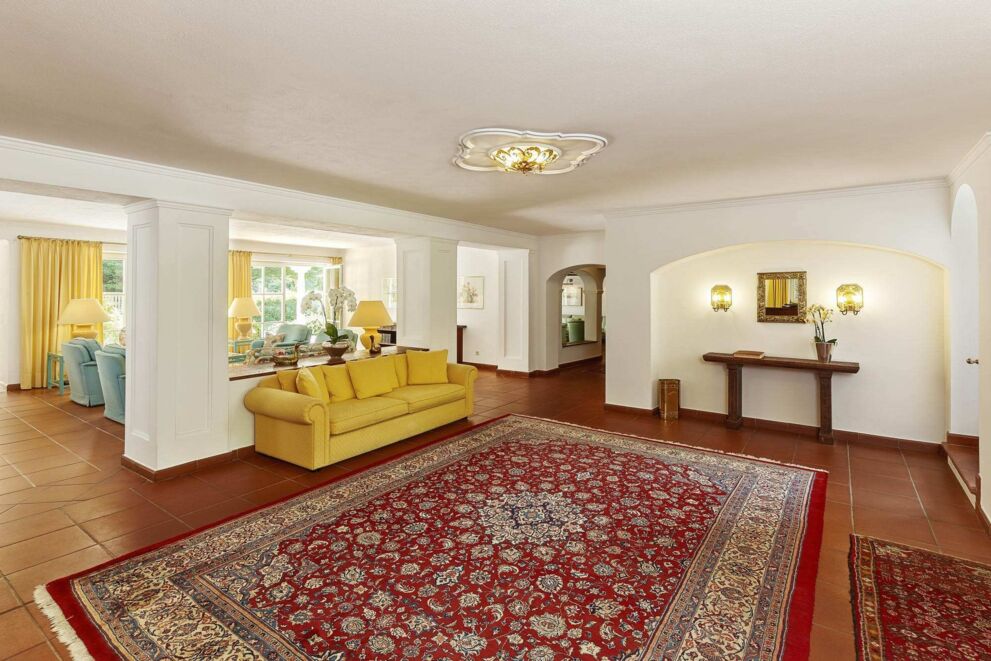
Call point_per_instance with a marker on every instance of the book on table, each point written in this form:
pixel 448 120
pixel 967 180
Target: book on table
pixel 747 353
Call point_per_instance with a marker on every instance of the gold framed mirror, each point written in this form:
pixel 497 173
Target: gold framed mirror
pixel 781 297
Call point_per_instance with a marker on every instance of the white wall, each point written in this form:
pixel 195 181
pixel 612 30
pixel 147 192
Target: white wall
pixel 912 218
pixel 11 270
pixel 897 338
pixel 481 337
pixel 366 268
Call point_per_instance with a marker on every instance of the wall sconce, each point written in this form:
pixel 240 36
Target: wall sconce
pixel 850 298
pixel 722 297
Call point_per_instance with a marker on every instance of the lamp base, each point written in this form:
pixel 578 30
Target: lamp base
pixel 86 331
pixel 243 328
pixel 371 340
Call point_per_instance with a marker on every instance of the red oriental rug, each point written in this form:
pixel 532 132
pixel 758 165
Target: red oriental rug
pixel 519 539
pixel 909 603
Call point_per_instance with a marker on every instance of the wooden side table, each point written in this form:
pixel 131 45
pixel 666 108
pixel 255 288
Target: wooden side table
pixel 55 367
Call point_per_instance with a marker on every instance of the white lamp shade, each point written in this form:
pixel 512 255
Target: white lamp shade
pixel 83 311
pixel 242 307
pixel 370 314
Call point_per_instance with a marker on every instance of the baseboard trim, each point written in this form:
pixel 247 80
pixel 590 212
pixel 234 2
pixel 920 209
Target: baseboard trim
pixel 851 437
pixel 980 510
pixel 630 409
pixel 183 469
pixel 962 439
pixel 13 387
pixel 527 375
pixel 483 366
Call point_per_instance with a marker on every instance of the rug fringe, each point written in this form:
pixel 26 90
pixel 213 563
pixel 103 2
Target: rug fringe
pixel 677 443
pixel 63 630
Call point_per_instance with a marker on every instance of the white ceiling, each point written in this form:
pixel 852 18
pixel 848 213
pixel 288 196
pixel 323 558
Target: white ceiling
pixel 365 100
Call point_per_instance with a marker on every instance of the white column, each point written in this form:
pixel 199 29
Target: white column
pixel 427 270
pixel 176 333
pixel 514 310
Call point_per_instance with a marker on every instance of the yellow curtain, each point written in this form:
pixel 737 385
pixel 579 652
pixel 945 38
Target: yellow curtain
pixel 238 281
pixel 53 272
pixel 778 295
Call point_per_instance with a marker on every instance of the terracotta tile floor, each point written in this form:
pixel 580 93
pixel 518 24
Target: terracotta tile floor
pixel 66 504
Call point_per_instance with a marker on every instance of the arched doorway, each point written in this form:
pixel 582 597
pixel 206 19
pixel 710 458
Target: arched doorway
pixel 575 315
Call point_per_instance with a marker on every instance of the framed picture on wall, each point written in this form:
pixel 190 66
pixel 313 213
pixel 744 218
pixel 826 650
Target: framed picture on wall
pixel 471 292
pixel 390 292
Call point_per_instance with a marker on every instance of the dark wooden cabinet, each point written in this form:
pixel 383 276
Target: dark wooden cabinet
pixel 389 334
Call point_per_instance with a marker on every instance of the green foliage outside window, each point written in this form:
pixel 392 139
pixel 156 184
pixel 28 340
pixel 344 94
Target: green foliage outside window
pixel 113 275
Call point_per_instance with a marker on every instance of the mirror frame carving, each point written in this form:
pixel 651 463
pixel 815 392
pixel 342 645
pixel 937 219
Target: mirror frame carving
pixel 762 297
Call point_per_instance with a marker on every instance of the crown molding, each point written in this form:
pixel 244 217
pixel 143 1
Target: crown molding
pixel 971 157
pixel 144 205
pixel 68 153
pixel 780 198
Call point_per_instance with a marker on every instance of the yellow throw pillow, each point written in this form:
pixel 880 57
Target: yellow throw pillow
pixel 427 367
pixel 372 376
pixel 287 380
pixel 402 372
pixel 338 383
pixel 308 384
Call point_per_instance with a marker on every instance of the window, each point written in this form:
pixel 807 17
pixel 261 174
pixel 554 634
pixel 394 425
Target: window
pixel 113 297
pixel 279 288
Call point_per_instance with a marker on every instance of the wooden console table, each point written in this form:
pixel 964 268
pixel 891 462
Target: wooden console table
pixel 824 377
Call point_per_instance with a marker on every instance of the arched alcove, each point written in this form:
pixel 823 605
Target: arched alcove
pixel 898 337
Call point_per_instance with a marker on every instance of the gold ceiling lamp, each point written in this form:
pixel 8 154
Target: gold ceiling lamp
pixel 850 298
pixel 525 158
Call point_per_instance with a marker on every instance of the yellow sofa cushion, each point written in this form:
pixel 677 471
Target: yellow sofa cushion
pixel 338 383
pixel 372 376
pixel 402 371
pixel 354 414
pixel 312 384
pixel 287 380
pixel 424 397
pixel 427 367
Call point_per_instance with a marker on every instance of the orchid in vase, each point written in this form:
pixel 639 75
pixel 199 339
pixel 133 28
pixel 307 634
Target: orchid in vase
pixel 819 316
pixel 338 300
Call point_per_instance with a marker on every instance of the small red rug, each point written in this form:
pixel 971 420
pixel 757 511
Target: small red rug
pixel 909 603
pixel 519 539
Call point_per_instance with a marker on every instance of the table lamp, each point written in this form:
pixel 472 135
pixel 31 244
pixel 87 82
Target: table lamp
pixel 81 314
pixel 243 308
pixel 370 315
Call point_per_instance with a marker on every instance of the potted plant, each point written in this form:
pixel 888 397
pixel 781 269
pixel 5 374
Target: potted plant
pixel 819 316
pixel 337 300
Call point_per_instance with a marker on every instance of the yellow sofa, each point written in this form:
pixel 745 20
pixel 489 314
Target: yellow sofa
pixel 311 433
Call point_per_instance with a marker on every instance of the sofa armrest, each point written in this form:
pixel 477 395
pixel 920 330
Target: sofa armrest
pixel 282 405
pixel 464 375
pixel 257 344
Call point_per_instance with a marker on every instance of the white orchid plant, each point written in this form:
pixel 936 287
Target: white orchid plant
pixel 819 316
pixel 337 300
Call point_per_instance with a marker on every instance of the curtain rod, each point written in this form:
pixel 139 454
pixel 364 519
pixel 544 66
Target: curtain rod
pixel 52 238
pixel 117 243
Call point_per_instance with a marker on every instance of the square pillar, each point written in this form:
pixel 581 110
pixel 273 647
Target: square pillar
pixel 515 266
pixel 177 333
pixel 427 271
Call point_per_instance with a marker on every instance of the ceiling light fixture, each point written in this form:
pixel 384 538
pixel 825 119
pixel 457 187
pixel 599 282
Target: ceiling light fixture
pixel 525 158
pixel 526 152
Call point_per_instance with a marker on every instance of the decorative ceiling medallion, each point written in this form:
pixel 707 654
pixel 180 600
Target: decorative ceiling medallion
pixel 526 152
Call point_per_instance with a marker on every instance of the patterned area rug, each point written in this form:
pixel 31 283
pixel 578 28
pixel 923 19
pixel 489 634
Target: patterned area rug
pixel 519 539
pixel 909 603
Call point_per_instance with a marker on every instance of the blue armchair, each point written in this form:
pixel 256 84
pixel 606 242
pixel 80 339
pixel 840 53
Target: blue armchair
pixel 80 364
pixel 110 362
pixel 295 334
